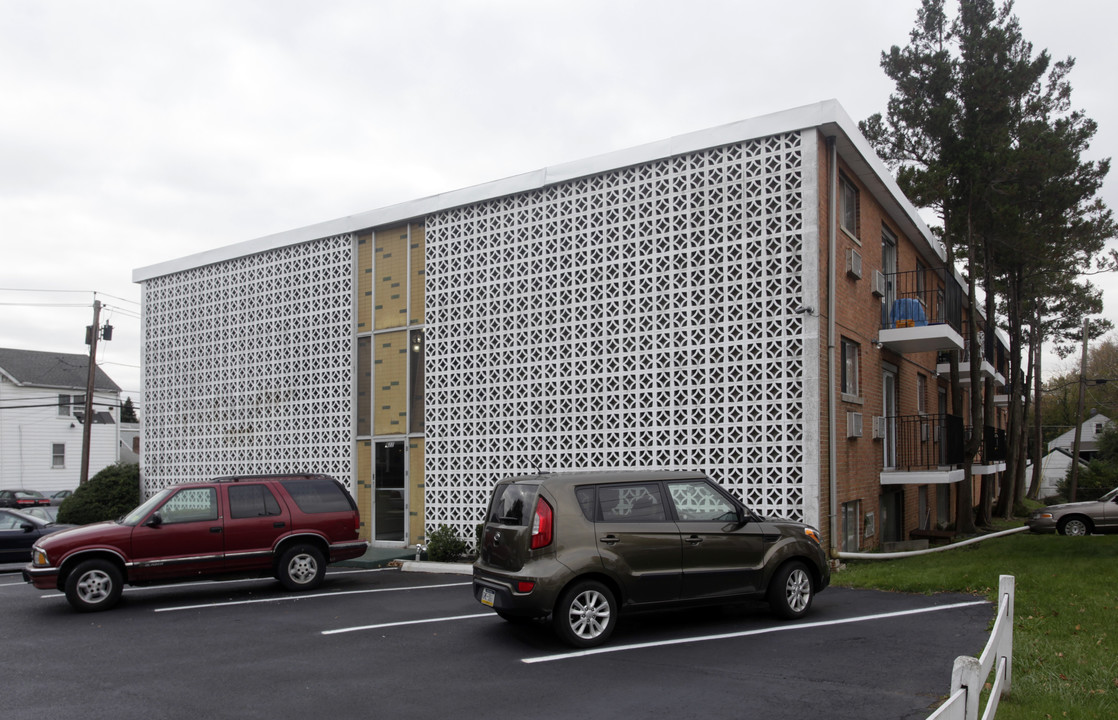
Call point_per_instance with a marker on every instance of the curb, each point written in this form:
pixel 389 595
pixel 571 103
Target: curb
pixel 433 567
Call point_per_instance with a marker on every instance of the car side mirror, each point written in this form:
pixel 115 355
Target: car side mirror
pixel 155 520
pixel 26 527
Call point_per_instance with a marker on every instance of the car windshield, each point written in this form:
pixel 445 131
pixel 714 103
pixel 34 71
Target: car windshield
pixel 133 518
pixel 1109 496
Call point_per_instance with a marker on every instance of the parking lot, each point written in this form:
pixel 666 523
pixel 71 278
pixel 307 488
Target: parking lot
pixel 386 643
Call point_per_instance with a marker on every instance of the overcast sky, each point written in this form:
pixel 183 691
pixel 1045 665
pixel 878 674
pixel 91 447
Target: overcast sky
pixel 135 132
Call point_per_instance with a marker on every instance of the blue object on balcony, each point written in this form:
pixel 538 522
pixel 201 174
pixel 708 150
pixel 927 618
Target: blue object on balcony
pixel 908 312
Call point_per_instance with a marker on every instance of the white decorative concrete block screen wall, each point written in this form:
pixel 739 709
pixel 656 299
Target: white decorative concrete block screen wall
pixel 640 318
pixel 248 366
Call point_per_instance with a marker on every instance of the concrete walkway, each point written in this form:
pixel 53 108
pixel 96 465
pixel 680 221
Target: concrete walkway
pixel 378 557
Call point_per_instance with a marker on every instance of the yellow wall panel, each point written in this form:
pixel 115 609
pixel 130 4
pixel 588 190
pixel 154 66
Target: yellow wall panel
pixel 365 487
pixel 390 399
pixel 364 282
pixel 415 491
pixel 418 273
pixel 390 278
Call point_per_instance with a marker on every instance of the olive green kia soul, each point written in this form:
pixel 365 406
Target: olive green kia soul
pixel 582 546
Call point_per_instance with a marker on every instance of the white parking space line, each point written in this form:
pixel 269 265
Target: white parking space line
pixel 408 622
pixel 163 586
pixel 745 633
pixel 297 596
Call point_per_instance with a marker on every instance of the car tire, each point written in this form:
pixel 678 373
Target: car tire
pixel 585 614
pixel 94 585
pixel 1075 525
pixel 301 567
pixel 791 591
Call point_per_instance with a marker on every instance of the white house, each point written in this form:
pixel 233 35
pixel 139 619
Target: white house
pixel 1054 465
pixel 42 407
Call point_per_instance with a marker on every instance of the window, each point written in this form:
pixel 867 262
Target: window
pixel 58 455
pixel 319 496
pixel 697 501
pixel 631 503
pixel 63 405
pixel 851 526
pixel 848 210
pixel 416 381
pixel 190 505
pixel 921 393
pixel 249 501
pixel 851 352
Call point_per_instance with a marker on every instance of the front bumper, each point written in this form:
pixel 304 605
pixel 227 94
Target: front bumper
pixel 44 578
pixel 1041 523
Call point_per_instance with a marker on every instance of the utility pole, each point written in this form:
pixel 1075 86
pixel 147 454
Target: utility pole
pixel 1073 481
pixel 87 422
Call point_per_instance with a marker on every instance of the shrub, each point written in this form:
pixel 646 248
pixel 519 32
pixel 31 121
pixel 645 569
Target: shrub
pixel 106 496
pixel 444 546
pixel 1094 481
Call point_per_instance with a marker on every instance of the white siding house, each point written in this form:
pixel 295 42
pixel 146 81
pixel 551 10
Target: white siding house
pixel 42 404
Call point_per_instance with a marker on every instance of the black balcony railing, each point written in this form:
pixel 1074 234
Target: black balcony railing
pixel 994 446
pixel 922 297
pixel 927 442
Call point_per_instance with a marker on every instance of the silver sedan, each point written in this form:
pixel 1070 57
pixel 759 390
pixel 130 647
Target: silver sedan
pixel 1079 518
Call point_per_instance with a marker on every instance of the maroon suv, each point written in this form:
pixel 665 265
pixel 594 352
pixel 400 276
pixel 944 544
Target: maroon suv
pixel 288 526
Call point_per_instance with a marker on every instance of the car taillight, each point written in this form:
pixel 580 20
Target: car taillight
pixel 541 525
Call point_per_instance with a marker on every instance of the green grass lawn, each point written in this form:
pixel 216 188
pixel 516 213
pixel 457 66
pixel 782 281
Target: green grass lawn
pixel 1065 654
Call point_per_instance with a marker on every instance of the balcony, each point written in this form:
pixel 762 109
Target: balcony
pixel 923 449
pixel 991 456
pixel 922 312
pixel 987 369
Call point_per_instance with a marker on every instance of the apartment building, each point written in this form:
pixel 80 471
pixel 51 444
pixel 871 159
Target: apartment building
pixel 758 301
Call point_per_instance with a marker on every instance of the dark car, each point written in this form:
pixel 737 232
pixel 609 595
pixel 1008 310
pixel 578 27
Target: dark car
pixel 19 531
pixel 22 498
pixel 580 547
pixel 287 526
pixel 1078 518
pixel 48 513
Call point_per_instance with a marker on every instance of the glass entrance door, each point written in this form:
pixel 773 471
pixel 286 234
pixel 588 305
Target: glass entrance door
pixel 389 499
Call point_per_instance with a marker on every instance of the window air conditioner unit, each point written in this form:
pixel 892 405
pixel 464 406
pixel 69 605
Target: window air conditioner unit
pixel 878 283
pixel 853 263
pixel 879 427
pixel 853 424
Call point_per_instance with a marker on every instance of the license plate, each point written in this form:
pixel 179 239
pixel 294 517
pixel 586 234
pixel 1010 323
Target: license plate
pixel 488 596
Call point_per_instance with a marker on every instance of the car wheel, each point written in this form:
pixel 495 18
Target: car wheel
pixel 790 592
pixel 1075 526
pixel 94 585
pixel 301 567
pixel 586 614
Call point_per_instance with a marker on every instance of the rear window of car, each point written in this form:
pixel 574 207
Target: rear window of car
pixel 318 495
pixel 513 504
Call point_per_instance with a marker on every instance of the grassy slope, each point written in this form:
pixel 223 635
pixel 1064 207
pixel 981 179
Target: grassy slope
pixel 1065 658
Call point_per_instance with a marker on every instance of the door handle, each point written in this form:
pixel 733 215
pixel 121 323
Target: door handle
pixel 695 539
pixel 215 529
pixel 609 539
pixel 278 524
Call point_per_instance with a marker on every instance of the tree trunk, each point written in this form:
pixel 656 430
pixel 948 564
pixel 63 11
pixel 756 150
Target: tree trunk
pixel 1036 346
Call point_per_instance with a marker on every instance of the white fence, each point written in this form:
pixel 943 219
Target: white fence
pixel 969 674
